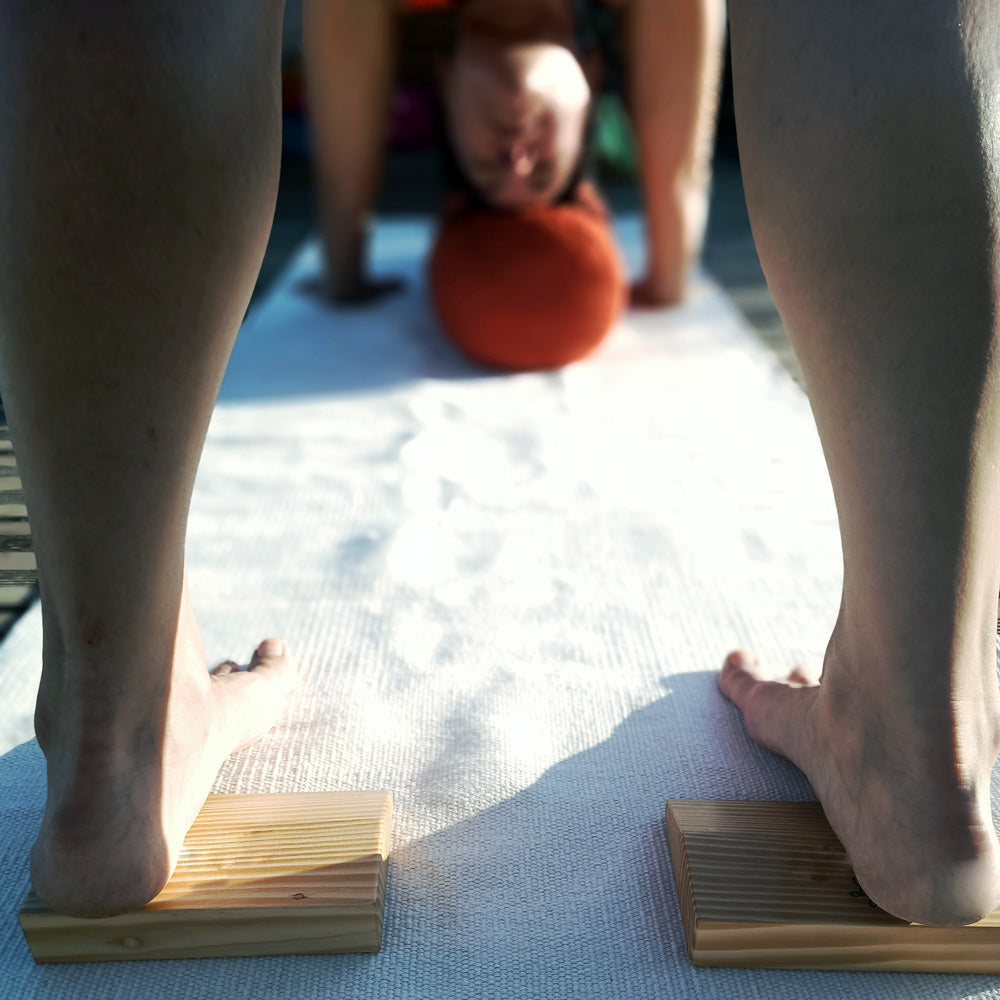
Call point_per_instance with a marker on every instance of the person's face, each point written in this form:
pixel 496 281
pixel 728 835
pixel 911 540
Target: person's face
pixel 516 116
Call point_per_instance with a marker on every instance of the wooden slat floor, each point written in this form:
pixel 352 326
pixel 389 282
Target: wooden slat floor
pixel 18 579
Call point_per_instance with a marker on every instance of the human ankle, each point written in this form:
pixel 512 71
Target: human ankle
pixel 937 706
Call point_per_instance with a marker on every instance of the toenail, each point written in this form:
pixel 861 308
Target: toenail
pixel 271 647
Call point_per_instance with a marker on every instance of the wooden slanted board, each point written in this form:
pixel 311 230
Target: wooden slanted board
pixel 273 874
pixel 768 885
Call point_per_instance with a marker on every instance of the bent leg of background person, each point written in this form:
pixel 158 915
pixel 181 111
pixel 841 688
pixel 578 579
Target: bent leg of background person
pixel 138 169
pixel 869 154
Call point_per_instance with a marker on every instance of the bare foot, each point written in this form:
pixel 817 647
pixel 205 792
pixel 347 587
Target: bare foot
pixel 129 766
pixel 910 801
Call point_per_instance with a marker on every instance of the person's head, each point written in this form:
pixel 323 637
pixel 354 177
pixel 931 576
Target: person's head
pixel 516 115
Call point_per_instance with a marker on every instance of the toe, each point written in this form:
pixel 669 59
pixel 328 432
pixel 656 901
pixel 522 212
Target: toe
pixel 802 677
pixel 740 674
pixel 248 702
pixel 271 660
pixel 269 651
pixel 774 712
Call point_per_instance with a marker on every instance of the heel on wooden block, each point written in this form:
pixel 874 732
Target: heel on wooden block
pixel 768 885
pixel 282 874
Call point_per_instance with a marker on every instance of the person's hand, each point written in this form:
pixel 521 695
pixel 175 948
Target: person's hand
pixel 366 291
pixel 656 292
pixel 362 291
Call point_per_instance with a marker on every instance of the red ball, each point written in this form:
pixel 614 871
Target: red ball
pixel 526 290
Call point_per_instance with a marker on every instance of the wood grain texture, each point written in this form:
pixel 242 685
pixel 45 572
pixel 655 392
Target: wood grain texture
pixel 279 874
pixel 768 885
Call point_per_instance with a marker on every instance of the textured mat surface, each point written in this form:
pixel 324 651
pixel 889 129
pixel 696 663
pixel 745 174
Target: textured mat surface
pixel 510 595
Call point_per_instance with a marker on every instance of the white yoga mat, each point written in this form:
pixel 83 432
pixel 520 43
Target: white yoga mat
pixel 510 595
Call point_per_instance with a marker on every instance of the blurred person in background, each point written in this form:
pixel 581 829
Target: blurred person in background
pixel 517 92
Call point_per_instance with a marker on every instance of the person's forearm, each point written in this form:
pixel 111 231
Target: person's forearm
pixel 675 59
pixel 349 53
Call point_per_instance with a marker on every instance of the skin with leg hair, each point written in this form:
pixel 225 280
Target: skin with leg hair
pixel 867 142
pixel 137 179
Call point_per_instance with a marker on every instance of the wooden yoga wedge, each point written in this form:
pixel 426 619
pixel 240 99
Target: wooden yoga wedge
pixel 768 885
pixel 277 874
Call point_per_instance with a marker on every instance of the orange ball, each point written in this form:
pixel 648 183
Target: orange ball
pixel 526 290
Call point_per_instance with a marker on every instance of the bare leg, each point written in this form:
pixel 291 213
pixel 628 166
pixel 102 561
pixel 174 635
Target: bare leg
pixel 674 64
pixel 138 167
pixel 350 50
pixel 869 159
